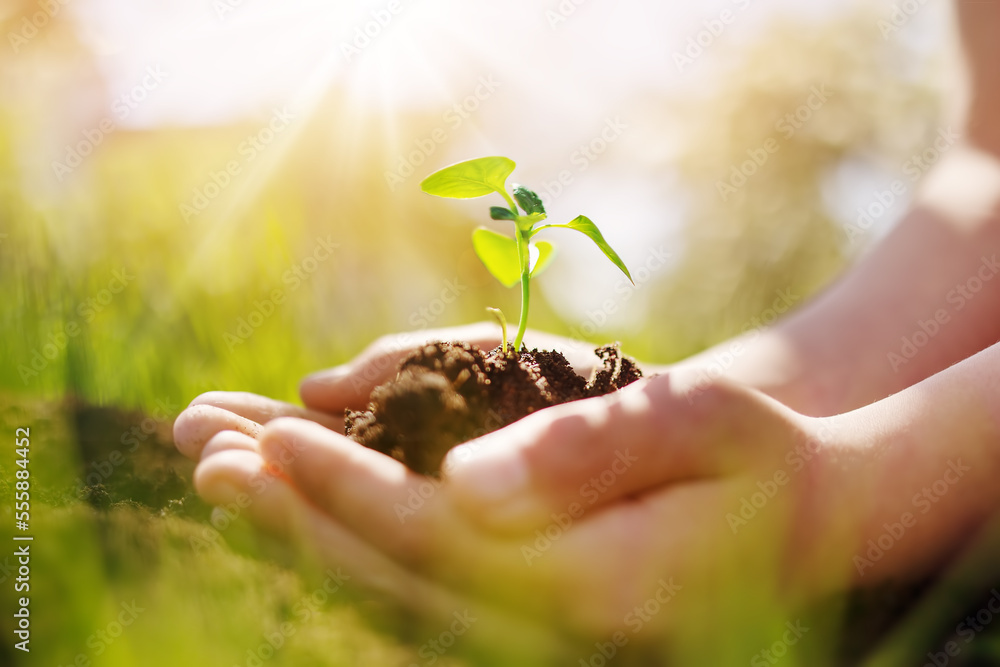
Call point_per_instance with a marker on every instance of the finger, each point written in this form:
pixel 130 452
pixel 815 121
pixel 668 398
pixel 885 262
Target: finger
pixel 197 424
pixel 629 548
pixel 241 478
pixel 589 453
pixel 407 516
pixel 350 385
pixel 362 488
pixel 229 440
pixel 262 409
pixel 655 562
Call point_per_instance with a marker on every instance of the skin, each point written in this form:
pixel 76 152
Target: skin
pixel 647 486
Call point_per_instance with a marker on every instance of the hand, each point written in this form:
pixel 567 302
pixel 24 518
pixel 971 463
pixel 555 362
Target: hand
pixel 328 393
pixel 438 548
pixel 349 385
pixel 733 497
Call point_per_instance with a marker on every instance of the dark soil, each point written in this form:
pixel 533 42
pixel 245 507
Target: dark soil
pixel 448 393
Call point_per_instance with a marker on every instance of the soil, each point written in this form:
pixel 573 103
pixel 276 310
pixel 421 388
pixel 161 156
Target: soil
pixel 448 393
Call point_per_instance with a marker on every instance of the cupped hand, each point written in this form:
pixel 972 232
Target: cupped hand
pixel 511 531
pixel 349 385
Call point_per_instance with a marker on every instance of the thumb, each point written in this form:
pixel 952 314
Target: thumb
pixel 350 385
pixel 577 457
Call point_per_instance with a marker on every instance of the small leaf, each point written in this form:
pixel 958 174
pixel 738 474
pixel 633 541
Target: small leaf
pixel 501 213
pixel 469 179
pixel 584 225
pixel 541 255
pixel 498 254
pixel 528 200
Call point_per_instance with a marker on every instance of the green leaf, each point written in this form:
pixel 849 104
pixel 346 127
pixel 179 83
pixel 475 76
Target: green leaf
pixel 541 254
pixel 501 213
pixel 528 200
pixel 469 179
pixel 498 253
pixel 584 225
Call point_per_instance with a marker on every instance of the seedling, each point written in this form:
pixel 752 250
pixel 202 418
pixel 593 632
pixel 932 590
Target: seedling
pixel 510 260
pixel 502 321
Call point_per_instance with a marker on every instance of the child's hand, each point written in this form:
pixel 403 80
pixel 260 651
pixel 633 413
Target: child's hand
pixel 328 393
pixel 579 514
pixel 661 474
pixel 349 385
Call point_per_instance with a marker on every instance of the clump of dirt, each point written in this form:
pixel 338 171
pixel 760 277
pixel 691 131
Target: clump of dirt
pixel 448 393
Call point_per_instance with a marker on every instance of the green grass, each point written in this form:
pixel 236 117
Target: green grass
pixel 138 533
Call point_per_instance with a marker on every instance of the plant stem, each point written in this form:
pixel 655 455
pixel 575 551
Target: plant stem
pixel 510 202
pixel 502 321
pixel 524 259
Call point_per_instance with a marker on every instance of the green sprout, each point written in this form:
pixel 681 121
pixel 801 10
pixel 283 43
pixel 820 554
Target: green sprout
pixel 502 321
pixel 510 260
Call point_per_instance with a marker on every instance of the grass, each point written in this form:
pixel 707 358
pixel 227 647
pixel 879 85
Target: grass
pixel 137 536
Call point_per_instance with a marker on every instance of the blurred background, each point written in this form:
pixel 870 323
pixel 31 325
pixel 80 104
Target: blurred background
pixel 224 194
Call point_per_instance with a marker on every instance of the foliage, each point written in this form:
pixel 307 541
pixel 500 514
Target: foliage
pixel 516 259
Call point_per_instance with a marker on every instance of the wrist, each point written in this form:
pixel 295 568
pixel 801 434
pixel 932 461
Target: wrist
pixel 765 360
pixel 928 482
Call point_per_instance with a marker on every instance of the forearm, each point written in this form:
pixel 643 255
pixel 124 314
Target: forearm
pixel 923 299
pixel 978 23
pixel 935 461
pixel 919 302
